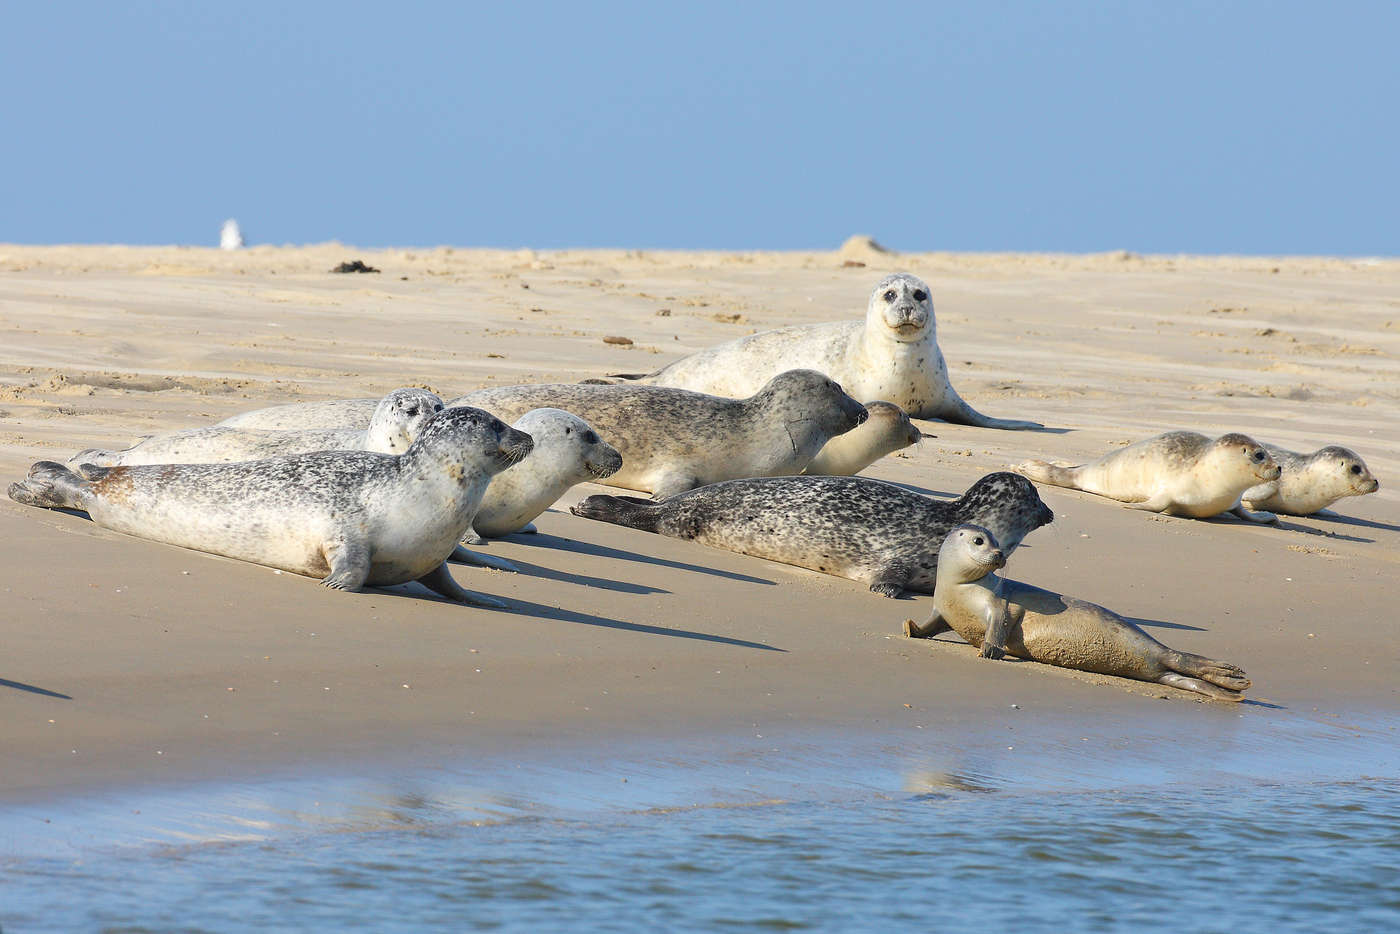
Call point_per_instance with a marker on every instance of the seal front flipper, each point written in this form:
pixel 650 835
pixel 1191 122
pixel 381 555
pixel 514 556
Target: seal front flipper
pixel 1156 504
pixel 931 627
pixel 998 621
pixel 892 580
pixel 349 563
pixel 439 581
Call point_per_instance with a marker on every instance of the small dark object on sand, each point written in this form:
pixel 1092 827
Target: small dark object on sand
pixel 356 266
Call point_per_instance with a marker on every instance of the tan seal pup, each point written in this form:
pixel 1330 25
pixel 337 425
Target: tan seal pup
pixel 673 440
pixel 893 355
pixel 853 527
pixel 396 421
pixel 1003 616
pixel 1309 483
pixel 356 518
pixel 567 452
pixel 886 430
pixel 1180 473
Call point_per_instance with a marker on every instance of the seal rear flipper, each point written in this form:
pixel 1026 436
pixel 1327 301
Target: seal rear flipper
pixel 629 375
pixel 1175 680
pixel 463 556
pixel 50 485
pixel 1046 472
pixel 439 581
pixel 631 511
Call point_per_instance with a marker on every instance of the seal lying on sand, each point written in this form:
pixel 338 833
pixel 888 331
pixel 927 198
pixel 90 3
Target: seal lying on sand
pixel 854 527
pixel 396 421
pixel 335 413
pixel 673 440
pixel 1001 616
pixel 567 452
pixel 893 354
pixel 886 430
pixel 357 518
pixel 1309 483
pixel 1181 473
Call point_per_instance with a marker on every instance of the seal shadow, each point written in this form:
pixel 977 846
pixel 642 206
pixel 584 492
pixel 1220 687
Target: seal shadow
pixel 584 580
pixel 546 540
pixel 1251 702
pixel 1339 519
pixel 21 686
pixel 588 619
pixel 1160 624
pixel 1287 526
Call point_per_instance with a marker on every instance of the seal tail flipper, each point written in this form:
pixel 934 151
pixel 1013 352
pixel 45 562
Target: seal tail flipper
pixel 631 511
pixel 50 485
pixel 1046 472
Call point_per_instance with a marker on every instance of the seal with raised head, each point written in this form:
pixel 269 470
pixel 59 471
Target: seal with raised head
pixel 886 430
pixel 892 355
pixel 1308 483
pixel 353 518
pixel 673 440
pixel 1181 473
pixel 396 421
pixel 854 527
pixel 567 452
pixel 1002 616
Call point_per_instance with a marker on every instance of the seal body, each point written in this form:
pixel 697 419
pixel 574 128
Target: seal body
pixel 1181 473
pixel 892 355
pixel 1309 483
pixel 674 439
pixel 1004 616
pixel 566 451
pixel 866 530
pixel 335 413
pixel 354 518
pixel 886 430
pixel 395 422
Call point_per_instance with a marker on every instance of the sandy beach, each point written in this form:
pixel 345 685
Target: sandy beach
pixel 128 662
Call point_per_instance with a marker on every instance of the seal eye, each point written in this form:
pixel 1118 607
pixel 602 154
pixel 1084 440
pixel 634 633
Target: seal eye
pixel 1356 468
pixel 920 295
pixel 977 540
pixel 437 407
pixel 1259 455
pixel 569 430
pixel 591 438
pixel 889 295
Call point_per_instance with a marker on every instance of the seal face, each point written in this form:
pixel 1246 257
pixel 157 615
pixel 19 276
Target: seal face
pixel 354 517
pixel 1003 616
pixel 567 451
pixel 674 439
pixel 853 527
pixel 1309 483
pixel 396 421
pixel 892 355
pixel 1181 473
pixel 886 430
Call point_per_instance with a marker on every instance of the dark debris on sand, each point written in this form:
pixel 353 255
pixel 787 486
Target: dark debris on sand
pixel 356 266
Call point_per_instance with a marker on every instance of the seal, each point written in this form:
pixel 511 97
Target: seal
pixel 1180 473
pixel 295 416
pixel 354 518
pixel 1309 483
pixel 854 527
pixel 673 440
pixel 893 355
pixel 567 452
pixel 886 430
pixel 396 421
pixel 1003 616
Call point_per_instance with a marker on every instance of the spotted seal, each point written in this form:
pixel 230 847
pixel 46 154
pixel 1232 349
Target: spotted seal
pixel 854 527
pixel 1003 616
pixel 396 421
pixel 892 355
pixel 1308 483
pixel 886 430
pixel 1181 473
pixel 673 440
pixel 355 518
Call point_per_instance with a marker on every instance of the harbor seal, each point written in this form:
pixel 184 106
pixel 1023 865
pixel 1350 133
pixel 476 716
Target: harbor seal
pixel 295 416
pixel 1002 616
pixel 886 430
pixel 567 452
pixel 1309 483
pixel 893 355
pixel 854 527
pixel 396 421
pixel 354 518
pixel 1181 473
pixel 673 440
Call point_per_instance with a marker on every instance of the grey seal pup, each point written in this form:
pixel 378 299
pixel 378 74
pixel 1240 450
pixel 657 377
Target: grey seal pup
pixel 1003 616
pixel 567 452
pixel 892 355
pixel 854 527
pixel 886 430
pixel 1308 483
pixel 354 518
pixel 673 440
pixel 1181 473
pixel 396 421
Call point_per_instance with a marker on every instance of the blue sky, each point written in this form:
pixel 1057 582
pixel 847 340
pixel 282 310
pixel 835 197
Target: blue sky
pixel 1204 127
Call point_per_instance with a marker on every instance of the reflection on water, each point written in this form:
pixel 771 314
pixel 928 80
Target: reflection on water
pixel 1212 821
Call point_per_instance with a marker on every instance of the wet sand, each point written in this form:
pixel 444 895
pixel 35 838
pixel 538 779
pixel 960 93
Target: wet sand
pixel 130 662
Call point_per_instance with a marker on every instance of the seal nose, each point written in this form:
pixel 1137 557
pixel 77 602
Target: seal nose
pixel 998 559
pixel 1046 516
pixel 862 414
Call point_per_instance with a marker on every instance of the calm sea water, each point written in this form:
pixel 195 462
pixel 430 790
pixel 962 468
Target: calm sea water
pixel 1202 821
